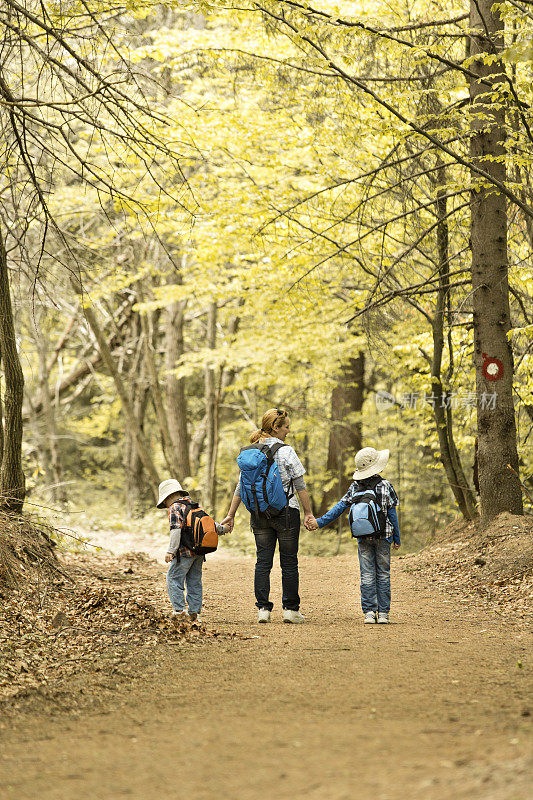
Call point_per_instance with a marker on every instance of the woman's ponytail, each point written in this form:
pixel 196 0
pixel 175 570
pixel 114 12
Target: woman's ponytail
pixel 267 424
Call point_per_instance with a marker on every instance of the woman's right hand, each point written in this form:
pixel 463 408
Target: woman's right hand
pixel 228 521
pixel 310 523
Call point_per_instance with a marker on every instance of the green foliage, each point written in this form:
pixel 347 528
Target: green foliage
pixel 301 200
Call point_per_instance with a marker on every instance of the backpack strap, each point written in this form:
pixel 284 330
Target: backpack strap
pixel 270 452
pixel 273 449
pixel 190 505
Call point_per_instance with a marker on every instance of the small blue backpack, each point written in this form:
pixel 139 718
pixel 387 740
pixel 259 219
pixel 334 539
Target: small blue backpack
pixel 262 490
pixel 366 515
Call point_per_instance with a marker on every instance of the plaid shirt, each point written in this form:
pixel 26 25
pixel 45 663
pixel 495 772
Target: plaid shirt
pixel 176 518
pixel 385 494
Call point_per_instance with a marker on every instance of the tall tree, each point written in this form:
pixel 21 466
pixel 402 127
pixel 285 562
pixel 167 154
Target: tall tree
pixel 129 412
pixel 176 398
pixel 499 486
pixel 58 490
pixel 12 482
pixel 211 405
pixel 346 434
pixel 319 32
pixel 54 99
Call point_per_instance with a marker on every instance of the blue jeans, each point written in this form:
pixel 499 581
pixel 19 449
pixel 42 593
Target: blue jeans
pixel 284 529
pixel 185 572
pixel 374 562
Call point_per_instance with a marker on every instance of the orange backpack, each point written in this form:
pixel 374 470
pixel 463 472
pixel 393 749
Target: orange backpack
pixel 199 532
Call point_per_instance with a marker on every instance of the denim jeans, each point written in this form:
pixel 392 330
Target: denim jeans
pixel 284 529
pixel 185 572
pixel 374 562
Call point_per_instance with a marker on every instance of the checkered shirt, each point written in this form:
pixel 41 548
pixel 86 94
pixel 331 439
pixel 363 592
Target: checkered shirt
pixel 386 496
pixel 176 517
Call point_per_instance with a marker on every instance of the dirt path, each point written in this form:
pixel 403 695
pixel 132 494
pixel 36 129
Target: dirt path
pixel 432 707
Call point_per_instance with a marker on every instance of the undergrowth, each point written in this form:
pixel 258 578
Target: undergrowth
pixel 26 545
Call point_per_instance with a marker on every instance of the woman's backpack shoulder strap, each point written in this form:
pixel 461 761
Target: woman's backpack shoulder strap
pixel 273 449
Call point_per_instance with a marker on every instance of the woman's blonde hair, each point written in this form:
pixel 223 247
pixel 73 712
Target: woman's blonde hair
pixel 273 415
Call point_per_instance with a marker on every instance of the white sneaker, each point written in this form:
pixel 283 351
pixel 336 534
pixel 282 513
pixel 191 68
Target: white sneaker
pixel 370 618
pixel 292 616
pixel 195 617
pixel 181 616
pixel 383 618
pixel 263 615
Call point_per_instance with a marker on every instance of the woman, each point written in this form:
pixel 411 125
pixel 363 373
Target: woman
pixel 284 528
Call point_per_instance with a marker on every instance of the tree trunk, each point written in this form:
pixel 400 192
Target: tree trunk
pixel 499 486
pixel 137 495
pixel 1 415
pixel 345 437
pixel 38 436
pixel 159 406
pixel 61 343
pixel 12 481
pixel 442 410
pixel 175 389
pixel 211 408
pixel 138 436
pixel 58 492
pixel 197 444
pixel 86 367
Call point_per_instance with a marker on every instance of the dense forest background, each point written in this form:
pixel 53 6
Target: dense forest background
pixel 211 209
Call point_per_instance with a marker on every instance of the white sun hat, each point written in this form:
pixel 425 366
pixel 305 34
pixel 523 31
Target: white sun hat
pixel 166 488
pixel 370 461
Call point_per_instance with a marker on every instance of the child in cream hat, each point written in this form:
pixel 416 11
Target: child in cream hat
pixel 185 569
pixel 373 548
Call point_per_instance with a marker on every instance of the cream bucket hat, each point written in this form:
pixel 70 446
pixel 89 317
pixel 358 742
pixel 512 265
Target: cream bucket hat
pixel 166 488
pixel 370 461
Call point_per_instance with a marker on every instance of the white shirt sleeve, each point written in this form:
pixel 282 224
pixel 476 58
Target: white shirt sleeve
pixel 291 462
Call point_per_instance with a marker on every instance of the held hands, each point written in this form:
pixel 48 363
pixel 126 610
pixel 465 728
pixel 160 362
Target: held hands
pixel 310 522
pixel 228 522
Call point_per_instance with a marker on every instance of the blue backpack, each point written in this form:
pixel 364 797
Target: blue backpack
pixel 262 491
pixel 366 515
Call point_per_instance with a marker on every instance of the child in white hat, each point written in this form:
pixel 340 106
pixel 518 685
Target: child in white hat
pixel 185 566
pixel 374 522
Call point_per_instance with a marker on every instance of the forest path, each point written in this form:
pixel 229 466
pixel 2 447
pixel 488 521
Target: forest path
pixel 431 707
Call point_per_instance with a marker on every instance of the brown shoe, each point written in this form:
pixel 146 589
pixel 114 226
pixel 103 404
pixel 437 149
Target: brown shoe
pixel 180 616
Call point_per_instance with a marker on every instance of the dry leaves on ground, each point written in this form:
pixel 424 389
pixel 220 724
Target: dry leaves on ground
pixel 95 616
pixel 492 566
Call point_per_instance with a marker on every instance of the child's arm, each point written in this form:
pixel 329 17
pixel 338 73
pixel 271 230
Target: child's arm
pixel 334 512
pixel 229 519
pixel 174 543
pixel 392 516
pixel 175 533
pixel 393 519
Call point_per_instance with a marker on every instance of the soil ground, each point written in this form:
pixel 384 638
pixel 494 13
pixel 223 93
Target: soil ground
pixel 433 706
